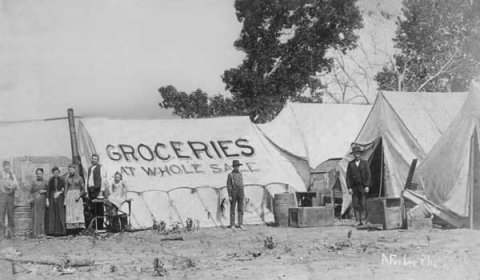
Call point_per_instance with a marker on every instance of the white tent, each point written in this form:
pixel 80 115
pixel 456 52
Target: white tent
pixel 177 169
pixel 402 126
pixel 35 138
pixel 316 132
pixel 33 144
pixel 450 174
pixel 310 134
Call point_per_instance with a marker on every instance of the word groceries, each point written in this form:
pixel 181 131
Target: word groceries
pixel 179 157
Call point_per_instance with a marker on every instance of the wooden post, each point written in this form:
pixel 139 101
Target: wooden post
pixel 381 170
pixel 471 176
pixel 411 172
pixel 73 140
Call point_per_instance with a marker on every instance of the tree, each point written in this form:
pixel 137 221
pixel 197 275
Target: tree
pixel 439 47
pixel 285 42
pixel 196 104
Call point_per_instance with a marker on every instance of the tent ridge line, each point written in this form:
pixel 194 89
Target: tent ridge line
pixel 209 187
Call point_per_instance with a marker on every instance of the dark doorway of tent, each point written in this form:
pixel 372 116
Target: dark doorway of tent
pixel 374 156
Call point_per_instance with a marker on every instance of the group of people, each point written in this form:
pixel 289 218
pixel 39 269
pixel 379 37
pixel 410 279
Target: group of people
pixel 63 203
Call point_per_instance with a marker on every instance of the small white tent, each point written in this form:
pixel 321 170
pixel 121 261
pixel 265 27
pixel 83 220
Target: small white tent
pixel 402 126
pixel 450 174
pixel 316 132
pixel 35 138
pixel 177 169
pixel 33 144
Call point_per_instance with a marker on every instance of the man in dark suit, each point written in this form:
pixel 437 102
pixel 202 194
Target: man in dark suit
pixel 236 194
pixel 358 182
pixel 94 189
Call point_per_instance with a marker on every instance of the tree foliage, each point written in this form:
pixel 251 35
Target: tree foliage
pixel 439 43
pixel 196 104
pixel 285 42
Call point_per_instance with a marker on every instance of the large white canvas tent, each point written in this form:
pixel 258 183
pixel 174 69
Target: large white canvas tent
pixel 310 134
pixel 402 126
pixel 450 174
pixel 177 169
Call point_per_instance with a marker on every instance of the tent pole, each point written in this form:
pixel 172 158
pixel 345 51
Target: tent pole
pixel 381 170
pixel 73 137
pixel 471 174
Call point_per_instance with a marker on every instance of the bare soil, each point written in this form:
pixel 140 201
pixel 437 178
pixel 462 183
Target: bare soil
pixel 217 253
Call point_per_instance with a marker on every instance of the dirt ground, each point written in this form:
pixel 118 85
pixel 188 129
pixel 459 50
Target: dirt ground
pixel 216 253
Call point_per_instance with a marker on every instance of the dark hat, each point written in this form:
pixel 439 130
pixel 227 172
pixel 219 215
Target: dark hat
pixel 356 149
pixel 55 169
pixel 236 162
pixel 5 163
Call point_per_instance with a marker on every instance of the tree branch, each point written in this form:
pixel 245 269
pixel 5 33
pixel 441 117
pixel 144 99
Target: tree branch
pixel 442 69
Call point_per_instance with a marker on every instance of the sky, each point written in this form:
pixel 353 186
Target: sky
pixel 107 58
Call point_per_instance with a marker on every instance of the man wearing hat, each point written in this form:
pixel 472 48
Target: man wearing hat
pixel 235 194
pixel 8 185
pixel 358 182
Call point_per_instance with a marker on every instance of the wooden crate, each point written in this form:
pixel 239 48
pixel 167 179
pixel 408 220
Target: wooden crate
pixel 385 211
pixel 309 199
pixel 419 223
pixel 310 216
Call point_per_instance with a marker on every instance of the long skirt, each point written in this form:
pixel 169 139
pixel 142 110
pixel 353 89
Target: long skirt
pixel 74 210
pixel 55 218
pixel 38 214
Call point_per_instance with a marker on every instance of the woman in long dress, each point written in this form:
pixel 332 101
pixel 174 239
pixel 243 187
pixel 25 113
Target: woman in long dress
pixel 38 190
pixel 73 205
pixel 55 218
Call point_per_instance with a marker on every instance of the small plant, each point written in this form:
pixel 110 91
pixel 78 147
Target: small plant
pixel 175 228
pixel 189 263
pixel 159 268
pixel 159 226
pixel 269 243
pixel 189 224
pixel 112 269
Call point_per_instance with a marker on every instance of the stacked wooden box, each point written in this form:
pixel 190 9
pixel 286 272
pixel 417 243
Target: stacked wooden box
pixel 385 211
pixel 315 216
pixel 310 213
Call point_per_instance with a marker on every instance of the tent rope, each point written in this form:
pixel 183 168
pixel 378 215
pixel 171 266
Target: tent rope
pixel 218 190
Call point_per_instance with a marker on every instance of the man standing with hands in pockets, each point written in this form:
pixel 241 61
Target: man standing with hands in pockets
pixel 8 186
pixel 235 194
pixel 358 182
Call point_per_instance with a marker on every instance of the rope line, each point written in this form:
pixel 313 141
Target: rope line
pixel 218 190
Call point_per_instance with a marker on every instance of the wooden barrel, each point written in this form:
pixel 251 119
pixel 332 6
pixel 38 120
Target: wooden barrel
pixel 281 203
pixel 22 216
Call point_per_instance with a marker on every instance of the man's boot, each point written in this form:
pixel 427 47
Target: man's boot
pixel 364 214
pixel 360 217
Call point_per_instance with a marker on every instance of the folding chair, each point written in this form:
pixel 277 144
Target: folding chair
pixel 111 220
